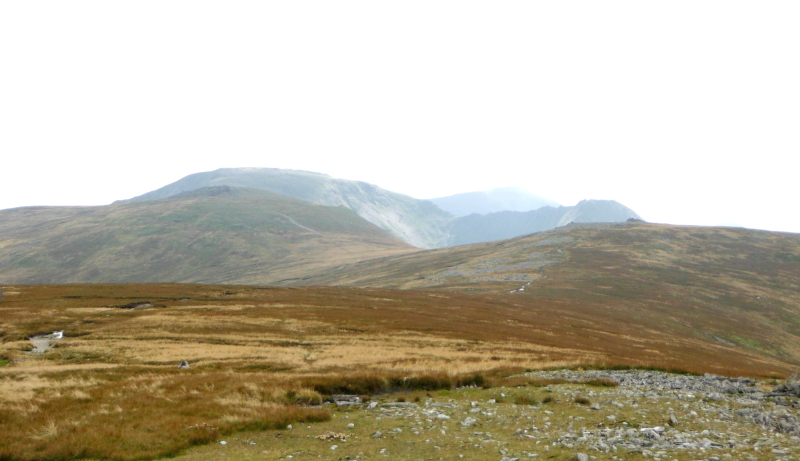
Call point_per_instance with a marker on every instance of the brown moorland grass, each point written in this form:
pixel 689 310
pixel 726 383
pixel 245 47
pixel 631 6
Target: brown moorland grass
pixel 260 356
pixel 735 287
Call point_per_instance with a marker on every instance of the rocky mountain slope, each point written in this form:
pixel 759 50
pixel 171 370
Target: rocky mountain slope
pixel 492 201
pixel 216 234
pixel 418 222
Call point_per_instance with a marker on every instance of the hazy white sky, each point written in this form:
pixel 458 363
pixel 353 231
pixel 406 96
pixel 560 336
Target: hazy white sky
pixel 686 111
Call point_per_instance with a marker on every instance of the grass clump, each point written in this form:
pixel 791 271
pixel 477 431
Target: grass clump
pixel 547 399
pixel 377 382
pixel 305 397
pixel 525 400
pixel 580 400
pixel 601 382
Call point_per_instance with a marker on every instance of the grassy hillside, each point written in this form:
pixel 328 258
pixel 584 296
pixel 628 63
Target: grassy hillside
pixel 218 234
pixel 417 222
pixel 723 287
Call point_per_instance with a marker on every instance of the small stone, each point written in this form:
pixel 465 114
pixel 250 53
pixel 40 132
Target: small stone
pixel 289 427
pixel 469 422
pixel 442 416
pixel 377 435
pixel 673 420
pixel 351 426
pixel 581 457
pixel 223 443
pixel 333 447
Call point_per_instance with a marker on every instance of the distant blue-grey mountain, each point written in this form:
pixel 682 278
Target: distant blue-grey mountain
pixel 477 228
pixel 492 201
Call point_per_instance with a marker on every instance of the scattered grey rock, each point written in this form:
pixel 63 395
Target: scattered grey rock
pixel 184 364
pixel 345 400
pixel 400 405
pixel 468 422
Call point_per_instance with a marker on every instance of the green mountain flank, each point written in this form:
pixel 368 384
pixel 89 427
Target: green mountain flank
pixel 418 222
pixel 216 234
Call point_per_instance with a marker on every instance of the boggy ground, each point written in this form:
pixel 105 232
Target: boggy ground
pixel 649 415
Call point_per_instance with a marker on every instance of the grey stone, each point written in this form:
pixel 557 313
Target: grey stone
pixel 345 400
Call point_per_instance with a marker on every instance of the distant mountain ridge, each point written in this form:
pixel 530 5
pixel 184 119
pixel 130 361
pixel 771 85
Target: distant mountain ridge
pixel 492 201
pixel 502 225
pixel 418 222
pixel 421 223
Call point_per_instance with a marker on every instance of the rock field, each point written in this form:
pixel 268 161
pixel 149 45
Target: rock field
pixel 651 415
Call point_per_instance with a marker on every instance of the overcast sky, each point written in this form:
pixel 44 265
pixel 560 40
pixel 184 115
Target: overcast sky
pixel 686 111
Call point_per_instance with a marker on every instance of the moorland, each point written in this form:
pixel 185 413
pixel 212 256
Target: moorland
pixel 410 326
